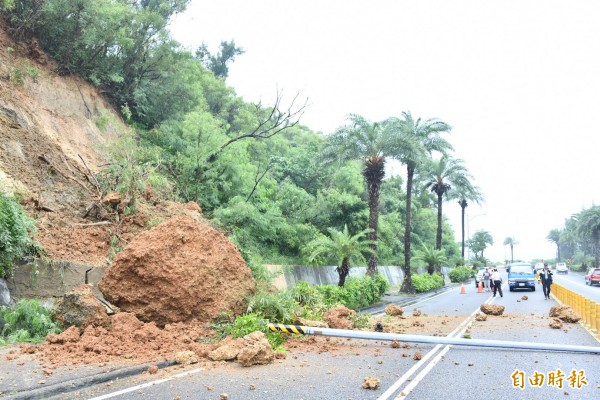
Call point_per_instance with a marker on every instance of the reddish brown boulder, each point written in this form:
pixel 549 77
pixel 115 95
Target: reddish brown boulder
pixel 339 317
pixel 256 349
pixel 81 308
pixel 178 271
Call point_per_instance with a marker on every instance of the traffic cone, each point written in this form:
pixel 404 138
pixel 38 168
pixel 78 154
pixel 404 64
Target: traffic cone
pixel 480 288
pixel 462 289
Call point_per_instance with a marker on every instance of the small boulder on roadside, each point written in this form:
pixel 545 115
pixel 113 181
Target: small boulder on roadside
pixel 70 335
pixel 556 323
pixel 339 317
pixel 480 317
pixel 256 349
pixel 370 383
pixel 186 358
pixel 394 310
pixel 492 309
pixel 564 313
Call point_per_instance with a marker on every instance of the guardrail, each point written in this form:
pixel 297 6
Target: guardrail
pixel 588 309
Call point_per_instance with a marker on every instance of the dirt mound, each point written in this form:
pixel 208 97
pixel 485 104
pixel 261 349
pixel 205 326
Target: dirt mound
pixel 179 271
pixel 127 338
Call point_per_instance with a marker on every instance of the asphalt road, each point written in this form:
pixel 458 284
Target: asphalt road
pixel 445 371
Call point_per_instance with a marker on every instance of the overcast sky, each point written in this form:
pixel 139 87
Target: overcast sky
pixel 519 81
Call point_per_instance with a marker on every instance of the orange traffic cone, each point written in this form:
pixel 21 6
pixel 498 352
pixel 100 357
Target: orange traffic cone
pixel 462 289
pixel 480 288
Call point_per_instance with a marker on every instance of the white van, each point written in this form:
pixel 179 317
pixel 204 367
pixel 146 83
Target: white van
pixel 561 268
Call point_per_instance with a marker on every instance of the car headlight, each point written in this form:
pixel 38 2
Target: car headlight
pixel 531 279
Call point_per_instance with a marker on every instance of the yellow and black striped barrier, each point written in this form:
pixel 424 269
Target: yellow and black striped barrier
pixel 297 329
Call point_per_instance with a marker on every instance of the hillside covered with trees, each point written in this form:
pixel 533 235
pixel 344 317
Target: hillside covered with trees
pixel 274 186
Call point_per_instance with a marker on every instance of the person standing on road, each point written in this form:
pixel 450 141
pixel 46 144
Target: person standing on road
pixel 486 279
pixel 497 282
pixel 546 277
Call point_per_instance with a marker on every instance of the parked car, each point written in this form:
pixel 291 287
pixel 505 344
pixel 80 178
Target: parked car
pixel 521 276
pixel 561 268
pixel 593 277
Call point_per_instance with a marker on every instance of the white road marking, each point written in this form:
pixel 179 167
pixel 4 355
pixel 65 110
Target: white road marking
pixel 157 382
pixel 455 333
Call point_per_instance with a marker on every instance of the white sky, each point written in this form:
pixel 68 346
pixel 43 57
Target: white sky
pixel 519 81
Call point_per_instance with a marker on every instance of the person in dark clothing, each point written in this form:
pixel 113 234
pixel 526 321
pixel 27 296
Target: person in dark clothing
pixel 546 278
pixel 497 278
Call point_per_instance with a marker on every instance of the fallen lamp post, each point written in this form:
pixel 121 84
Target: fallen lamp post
pixel 506 344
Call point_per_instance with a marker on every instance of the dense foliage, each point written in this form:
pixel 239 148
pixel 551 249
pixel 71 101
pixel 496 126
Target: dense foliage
pixel 427 282
pixel 27 321
pixel 15 234
pixel 460 274
pixel 257 174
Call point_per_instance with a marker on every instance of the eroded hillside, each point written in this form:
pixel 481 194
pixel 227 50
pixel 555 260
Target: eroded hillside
pixel 54 137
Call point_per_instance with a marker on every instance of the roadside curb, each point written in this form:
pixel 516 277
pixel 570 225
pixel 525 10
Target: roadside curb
pixel 78 383
pixel 402 301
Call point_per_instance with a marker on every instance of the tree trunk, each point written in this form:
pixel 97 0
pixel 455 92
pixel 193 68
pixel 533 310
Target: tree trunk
pixel 438 237
pixel 407 283
pixel 374 176
pixel 512 258
pixel 463 206
pixel 343 271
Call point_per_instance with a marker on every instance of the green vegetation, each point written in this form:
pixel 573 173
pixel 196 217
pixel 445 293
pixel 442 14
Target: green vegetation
pixel 427 282
pixel 27 321
pixel 16 229
pixel 305 301
pixel 271 184
pixel 460 274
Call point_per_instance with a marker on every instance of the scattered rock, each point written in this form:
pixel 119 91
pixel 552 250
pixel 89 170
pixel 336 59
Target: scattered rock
pixel 417 323
pixel 394 310
pixel 252 387
pixel 418 355
pixel 339 317
pixel 416 312
pixel 564 313
pixel 492 309
pixel 226 352
pixel 186 357
pixel 256 350
pixel 179 271
pixel 307 322
pixel 556 324
pixel 153 369
pixel 524 298
pixel 395 344
pixel 480 317
pixel 223 396
pixel 370 383
pixel 81 308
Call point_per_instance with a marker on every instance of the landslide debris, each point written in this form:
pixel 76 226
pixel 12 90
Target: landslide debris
pixel 564 313
pixel 81 308
pixel 179 271
pixel 492 309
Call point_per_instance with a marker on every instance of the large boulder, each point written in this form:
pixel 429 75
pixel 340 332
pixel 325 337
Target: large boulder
pixel 81 308
pixel 178 271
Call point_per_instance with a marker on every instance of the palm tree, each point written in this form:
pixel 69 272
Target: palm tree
pixel 479 242
pixel 465 193
pixel 589 228
pixel 370 143
pixel 417 139
pixel 511 241
pixel 442 175
pixel 342 246
pixel 554 237
pixel 431 256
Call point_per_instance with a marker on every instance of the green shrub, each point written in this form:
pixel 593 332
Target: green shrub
pixel 278 307
pixel 460 274
pixel 248 323
pixel 15 230
pixel 27 321
pixel 356 293
pixel 426 282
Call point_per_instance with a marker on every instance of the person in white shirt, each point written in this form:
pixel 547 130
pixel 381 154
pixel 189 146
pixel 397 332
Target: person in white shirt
pixel 497 278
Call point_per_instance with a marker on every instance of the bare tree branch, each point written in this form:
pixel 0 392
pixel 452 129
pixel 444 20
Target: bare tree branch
pixel 270 125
